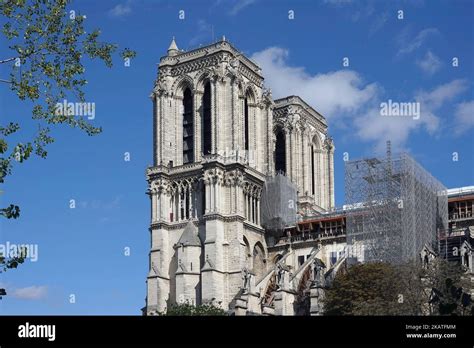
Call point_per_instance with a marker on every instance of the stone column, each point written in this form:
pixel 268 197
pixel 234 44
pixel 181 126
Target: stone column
pixel 159 204
pixel 217 194
pixel 270 136
pixel 207 188
pixel 180 202
pixel 331 178
pixel 233 113
pixel 197 125
pixel 190 200
pixel 245 205
pixel 159 129
pixel 304 164
pixel 153 206
pixel 249 207
pixel 258 211
pixel 211 195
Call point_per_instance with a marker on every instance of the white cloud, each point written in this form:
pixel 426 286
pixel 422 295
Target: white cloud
pixel 434 99
pixel 464 117
pixel 343 96
pixel 408 45
pixel 332 94
pixel 430 63
pixel 378 129
pixel 30 293
pixel 121 10
pixel 239 6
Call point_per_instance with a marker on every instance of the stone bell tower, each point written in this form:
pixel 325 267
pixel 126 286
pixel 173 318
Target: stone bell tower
pixel 212 147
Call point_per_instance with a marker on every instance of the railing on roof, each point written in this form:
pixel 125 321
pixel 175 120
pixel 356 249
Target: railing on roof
pixel 461 191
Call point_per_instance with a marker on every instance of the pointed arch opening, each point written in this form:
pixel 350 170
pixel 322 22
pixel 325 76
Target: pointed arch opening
pixel 206 120
pixel 258 260
pixel 249 101
pixel 188 127
pixel 280 151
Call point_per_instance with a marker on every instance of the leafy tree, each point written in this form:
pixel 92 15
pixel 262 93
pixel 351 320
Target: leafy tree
pixel 11 262
pixel 406 289
pixel 449 286
pixel 364 289
pixel 47 45
pixel 188 309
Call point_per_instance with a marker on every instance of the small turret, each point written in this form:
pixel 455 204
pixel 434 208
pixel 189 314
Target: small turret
pixel 188 272
pixel 173 49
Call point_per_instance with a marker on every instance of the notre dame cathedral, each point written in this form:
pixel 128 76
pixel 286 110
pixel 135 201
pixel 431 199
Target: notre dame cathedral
pixel 218 135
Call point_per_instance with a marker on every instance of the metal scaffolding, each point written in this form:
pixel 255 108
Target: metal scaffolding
pixel 278 208
pixel 394 208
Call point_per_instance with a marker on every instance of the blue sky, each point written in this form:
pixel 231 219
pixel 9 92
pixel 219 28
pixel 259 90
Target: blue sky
pixel 82 250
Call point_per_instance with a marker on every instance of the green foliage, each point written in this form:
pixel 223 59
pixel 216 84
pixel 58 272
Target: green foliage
pixel 449 289
pixel 407 289
pixel 188 309
pixel 365 289
pixel 11 262
pixel 48 43
pixel 12 211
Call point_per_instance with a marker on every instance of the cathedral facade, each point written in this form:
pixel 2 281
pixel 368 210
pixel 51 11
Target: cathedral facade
pixel 217 136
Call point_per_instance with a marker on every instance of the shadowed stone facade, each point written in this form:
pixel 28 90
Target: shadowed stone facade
pixel 217 134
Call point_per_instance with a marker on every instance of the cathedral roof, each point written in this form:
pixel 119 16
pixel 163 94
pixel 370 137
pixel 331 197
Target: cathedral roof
pixel 190 236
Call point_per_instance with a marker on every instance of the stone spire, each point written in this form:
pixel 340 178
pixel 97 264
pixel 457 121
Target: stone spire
pixel 173 49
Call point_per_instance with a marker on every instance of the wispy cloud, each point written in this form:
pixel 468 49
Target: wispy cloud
pixel 438 96
pixel 239 6
pixel 378 23
pixel 409 44
pixel 430 63
pixel 102 205
pixel 359 11
pixel 203 33
pixel 121 10
pixel 30 293
pixel 464 117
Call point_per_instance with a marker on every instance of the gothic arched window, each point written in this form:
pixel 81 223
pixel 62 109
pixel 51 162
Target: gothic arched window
pixel 258 260
pixel 206 120
pixel 188 130
pixel 280 151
